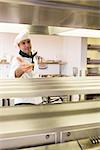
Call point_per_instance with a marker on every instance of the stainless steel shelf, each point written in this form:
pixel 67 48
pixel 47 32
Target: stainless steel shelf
pixel 93 47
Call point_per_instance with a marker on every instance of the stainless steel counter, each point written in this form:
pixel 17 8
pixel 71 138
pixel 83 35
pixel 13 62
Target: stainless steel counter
pixel 84 144
pixel 32 118
pixel 24 126
pixel 65 146
pixel 40 125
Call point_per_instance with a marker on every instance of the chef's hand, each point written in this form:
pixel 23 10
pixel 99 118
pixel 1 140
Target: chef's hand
pixel 25 67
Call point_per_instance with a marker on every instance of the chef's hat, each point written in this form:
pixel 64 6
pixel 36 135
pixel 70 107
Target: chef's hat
pixel 20 37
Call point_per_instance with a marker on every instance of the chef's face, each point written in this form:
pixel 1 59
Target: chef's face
pixel 25 46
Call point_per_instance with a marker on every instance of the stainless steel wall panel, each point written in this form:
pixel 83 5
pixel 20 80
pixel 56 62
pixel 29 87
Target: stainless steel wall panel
pixel 58 13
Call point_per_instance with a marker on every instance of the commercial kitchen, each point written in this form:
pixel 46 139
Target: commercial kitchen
pixel 66 34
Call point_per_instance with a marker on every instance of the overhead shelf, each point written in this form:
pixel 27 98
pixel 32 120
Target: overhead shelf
pixel 93 74
pixel 53 62
pixel 93 47
pixel 93 61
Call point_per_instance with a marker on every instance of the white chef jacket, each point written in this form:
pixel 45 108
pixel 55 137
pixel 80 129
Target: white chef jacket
pixel 33 74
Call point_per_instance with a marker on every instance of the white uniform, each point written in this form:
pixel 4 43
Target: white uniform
pixel 33 74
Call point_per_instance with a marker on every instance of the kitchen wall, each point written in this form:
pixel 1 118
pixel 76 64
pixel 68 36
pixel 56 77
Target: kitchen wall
pixel 72 53
pixel 6 45
pixel 50 47
pixel 67 49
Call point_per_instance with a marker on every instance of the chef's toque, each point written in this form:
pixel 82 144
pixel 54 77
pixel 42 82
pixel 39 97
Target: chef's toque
pixel 20 37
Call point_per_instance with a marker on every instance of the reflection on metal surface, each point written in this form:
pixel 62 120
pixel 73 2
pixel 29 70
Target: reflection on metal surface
pixel 60 86
pixel 73 145
pixel 38 30
pixel 56 13
pixel 93 3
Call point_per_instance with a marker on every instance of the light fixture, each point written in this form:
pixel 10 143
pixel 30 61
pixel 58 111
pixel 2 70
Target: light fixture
pixel 12 28
pixel 81 33
pixel 62 31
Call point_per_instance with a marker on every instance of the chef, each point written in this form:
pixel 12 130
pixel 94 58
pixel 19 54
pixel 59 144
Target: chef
pixel 25 66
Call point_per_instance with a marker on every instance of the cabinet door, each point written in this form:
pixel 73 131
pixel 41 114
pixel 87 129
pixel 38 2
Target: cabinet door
pixel 28 140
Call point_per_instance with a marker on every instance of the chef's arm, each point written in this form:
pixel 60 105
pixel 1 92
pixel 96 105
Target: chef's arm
pixel 26 67
pixel 19 72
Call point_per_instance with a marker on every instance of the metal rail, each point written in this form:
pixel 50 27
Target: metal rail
pixel 49 87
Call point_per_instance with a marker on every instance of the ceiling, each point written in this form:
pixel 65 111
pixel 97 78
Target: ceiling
pixel 41 14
